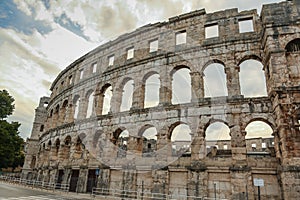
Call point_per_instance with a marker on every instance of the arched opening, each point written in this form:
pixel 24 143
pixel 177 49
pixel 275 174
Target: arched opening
pixel 64 110
pixel 149 135
pixel 120 139
pixel 293 60
pixel 57 145
pixel 252 79
pixel 181 140
pixel 33 161
pixel 56 121
pixel 67 147
pixel 42 128
pixel 47 153
pixel 76 107
pixel 79 148
pixel 127 95
pixel 217 139
pixel 49 145
pixel 106 99
pixel 57 110
pixel 50 119
pixel 45 104
pixel 259 137
pixel 90 105
pixel 181 85
pixel 293 46
pixel 152 85
pixel 215 82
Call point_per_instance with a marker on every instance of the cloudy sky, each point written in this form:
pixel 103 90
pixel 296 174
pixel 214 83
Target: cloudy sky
pixel 39 38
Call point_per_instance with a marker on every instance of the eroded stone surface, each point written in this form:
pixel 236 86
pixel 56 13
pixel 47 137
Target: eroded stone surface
pixel 86 152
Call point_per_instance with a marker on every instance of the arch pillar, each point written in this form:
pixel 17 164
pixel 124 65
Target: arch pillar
pixel 83 108
pixel 138 96
pixel 68 115
pixel 47 123
pixel 99 99
pixel 164 146
pixel 63 114
pixel 197 86
pixel 198 147
pixel 165 90
pixel 238 142
pixel 134 147
pixel 116 100
pixel 278 72
pixel 232 79
pixel 165 93
pixel 55 118
pixel 71 113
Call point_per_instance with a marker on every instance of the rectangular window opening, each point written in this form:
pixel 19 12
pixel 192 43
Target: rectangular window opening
pixel 225 146
pixel 70 80
pixel 111 60
pixel 130 53
pixel 246 25
pixel 180 38
pixel 153 46
pixel 263 145
pixel 211 31
pixel 81 74
pixel 94 67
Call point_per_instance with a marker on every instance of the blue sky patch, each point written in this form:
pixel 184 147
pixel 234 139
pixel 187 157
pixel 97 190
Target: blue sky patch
pixel 12 17
pixel 67 23
pixel 46 3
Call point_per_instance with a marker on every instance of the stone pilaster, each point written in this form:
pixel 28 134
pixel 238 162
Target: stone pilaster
pixel 232 77
pixel 165 90
pixel 82 180
pixel 138 96
pixel 99 105
pixel 116 100
pixel 240 182
pixel 164 146
pixel 238 142
pixel 197 181
pixel 197 86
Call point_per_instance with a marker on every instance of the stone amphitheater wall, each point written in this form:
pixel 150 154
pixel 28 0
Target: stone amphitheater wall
pixel 61 145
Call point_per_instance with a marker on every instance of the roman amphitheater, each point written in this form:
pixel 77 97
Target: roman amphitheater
pixel 164 110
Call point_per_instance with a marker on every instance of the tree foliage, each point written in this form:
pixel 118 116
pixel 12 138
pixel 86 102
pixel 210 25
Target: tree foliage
pixel 6 104
pixel 11 144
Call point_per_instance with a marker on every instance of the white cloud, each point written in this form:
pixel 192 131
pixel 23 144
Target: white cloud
pixel 258 129
pixel 29 63
pixel 252 79
pixel 217 131
pixel 24 6
pixel 63 47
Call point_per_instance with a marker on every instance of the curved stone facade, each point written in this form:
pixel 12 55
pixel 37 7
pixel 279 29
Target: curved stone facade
pixel 75 140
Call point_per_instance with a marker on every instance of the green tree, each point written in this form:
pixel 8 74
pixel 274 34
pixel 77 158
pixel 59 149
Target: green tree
pixel 11 144
pixel 6 104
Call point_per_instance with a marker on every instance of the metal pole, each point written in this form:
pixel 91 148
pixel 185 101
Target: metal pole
pixel 215 190
pixel 258 191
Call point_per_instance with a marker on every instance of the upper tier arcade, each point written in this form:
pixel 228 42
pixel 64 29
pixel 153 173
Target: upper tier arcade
pixel 119 108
